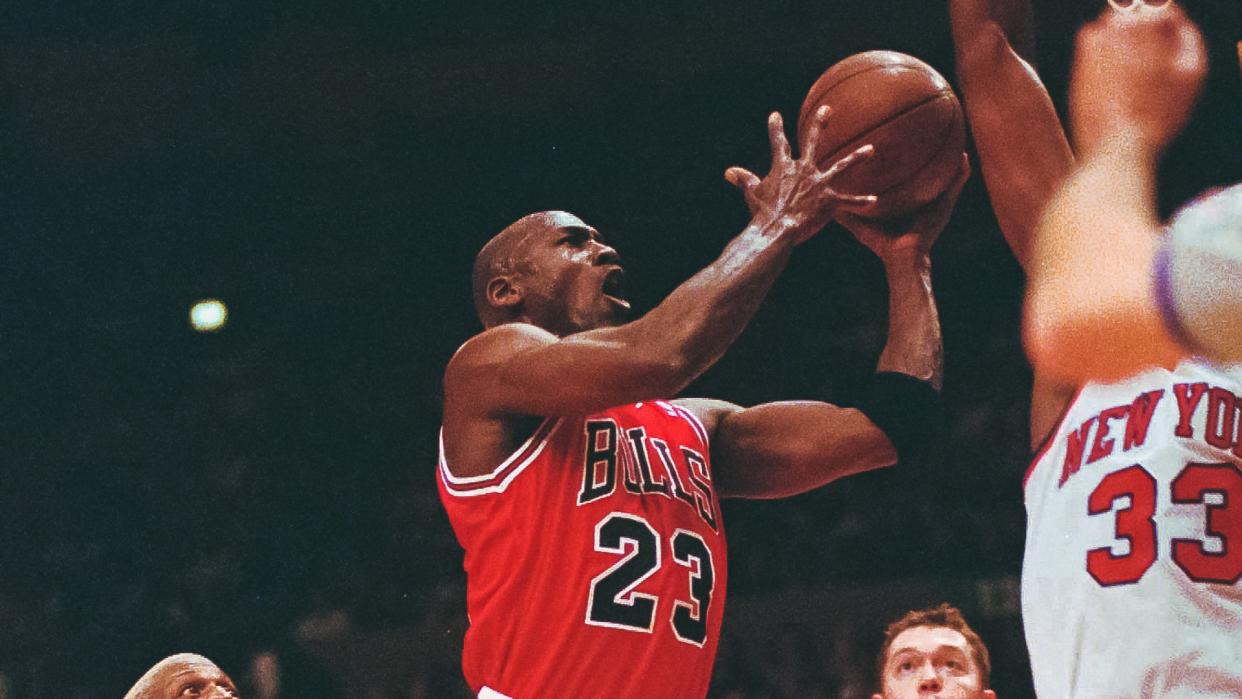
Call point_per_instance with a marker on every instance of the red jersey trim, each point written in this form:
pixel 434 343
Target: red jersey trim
pixel 500 477
pixel 1052 437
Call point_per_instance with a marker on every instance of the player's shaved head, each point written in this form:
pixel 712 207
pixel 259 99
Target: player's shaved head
pixel 504 256
pixel 166 679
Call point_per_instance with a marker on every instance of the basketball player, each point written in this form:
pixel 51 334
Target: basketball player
pixel 183 676
pixel 1112 293
pixel 1134 527
pixel 933 652
pixel 587 498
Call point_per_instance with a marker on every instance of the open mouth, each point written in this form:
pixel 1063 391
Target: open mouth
pixel 614 287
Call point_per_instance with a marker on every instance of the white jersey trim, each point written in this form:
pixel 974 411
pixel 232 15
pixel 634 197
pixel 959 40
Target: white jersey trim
pixel 699 428
pixel 502 475
pixel 1049 441
pixel 489 693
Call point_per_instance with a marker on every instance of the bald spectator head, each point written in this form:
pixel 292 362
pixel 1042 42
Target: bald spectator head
pixel 183 676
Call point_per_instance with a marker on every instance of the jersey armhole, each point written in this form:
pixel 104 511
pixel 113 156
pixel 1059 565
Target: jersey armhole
pixel 1039 453
pixel 699 428
pixel 500 477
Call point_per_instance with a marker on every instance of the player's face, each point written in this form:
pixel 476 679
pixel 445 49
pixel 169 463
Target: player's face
pixel 931 661
pixel 194 679
pixel 572 280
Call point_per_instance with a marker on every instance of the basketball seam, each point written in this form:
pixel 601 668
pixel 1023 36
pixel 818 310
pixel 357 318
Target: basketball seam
pixel 886 66
pixel 932 158
pixel 803 115
pixel 837 154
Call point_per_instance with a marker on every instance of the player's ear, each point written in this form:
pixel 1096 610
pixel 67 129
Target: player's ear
pixel 989 694
pixel 876 696
pixel 503 293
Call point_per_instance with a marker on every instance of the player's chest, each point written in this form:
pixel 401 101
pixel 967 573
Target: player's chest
pixel 639 461
pixel 1143 474
pixel 1160 425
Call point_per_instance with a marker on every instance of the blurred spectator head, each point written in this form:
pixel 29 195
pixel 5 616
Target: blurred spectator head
pixel 183 676
pixel 933 652
pixel 265 675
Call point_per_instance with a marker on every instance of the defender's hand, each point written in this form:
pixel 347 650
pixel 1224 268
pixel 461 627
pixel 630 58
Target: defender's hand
pixel 918 230
pixel 1136 74
pixel 797 193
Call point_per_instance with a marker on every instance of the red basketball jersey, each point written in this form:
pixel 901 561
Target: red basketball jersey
pixel 595 558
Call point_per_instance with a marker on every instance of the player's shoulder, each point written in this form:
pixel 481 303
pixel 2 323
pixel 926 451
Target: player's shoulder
pixel 1199 369
pixel 496 345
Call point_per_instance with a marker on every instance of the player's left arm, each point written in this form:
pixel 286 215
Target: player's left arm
pixel 785 448
pixel 776 450
pixel 1127 295
pixel 1111 294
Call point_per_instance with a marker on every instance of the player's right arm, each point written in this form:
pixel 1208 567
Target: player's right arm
pixel 781 449
pixel 1024 154
pixel 519 369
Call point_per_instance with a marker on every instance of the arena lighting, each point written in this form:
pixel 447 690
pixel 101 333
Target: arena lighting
pixel 208 315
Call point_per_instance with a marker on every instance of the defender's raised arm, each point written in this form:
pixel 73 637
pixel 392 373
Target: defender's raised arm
pixel 1023 152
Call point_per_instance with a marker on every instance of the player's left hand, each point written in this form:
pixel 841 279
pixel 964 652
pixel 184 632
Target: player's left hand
pixel 916 231
pixel 795 191
pixel 1136 75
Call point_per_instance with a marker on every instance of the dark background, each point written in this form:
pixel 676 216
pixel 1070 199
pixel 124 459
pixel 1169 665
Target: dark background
pixel 328 169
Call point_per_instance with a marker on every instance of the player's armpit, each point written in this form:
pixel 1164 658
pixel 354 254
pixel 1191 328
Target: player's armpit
pixel 776 450
pixel 522 369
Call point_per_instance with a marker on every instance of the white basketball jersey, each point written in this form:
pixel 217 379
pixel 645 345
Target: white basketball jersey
pixel 1130 581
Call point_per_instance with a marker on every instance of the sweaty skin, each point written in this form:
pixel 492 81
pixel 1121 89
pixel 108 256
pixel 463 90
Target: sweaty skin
pixel 548 292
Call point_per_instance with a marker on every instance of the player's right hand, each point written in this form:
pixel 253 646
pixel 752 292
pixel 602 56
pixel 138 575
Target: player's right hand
pixel 916 231
pixel 1137 73
pixel 795 193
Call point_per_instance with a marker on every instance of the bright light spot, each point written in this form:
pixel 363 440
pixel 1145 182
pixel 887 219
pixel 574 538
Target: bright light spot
pixel 208 315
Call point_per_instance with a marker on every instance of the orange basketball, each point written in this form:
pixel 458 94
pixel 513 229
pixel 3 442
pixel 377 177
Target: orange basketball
pixel 904 108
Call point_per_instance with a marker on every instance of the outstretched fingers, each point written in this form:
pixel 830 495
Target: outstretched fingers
pixel 812 133
pixel 858 155
pixel 741 178
pixel 859 203
pixel 856 203
pixel 776 136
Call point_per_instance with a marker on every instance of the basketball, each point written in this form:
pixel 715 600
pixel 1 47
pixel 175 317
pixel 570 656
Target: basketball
pixel 904 108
